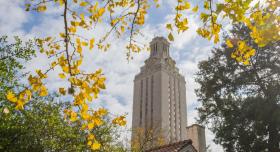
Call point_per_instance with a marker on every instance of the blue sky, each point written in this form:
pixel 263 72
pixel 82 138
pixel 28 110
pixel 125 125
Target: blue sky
pixel 187 50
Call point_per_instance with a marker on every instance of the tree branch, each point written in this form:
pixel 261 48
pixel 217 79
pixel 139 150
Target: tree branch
pixel 67 37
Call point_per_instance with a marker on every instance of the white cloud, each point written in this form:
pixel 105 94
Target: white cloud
pixel 12 17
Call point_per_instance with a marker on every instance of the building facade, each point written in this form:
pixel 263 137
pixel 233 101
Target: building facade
pixel 159 100
pixel 196 133
pixel 159 104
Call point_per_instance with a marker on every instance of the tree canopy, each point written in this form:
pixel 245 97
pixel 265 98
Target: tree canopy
pixel 241 103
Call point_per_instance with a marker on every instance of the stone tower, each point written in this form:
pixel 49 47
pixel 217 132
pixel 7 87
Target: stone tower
pixel 196 133
pixel 159 100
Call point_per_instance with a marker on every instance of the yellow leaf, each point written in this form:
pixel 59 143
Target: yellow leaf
pixel 85 107
pixel 122 28
pixel 246 62
pixel 19 105
pixel 252 52
pixel 72 29
pixel 91 43
pixel 169 26
pixel 187 5
pixel 90 125
pixel 41 75
pixel 43 91
pixel 82 15
pixel 91 137
pixel 28 94
pixel 170 37
pixel 48 39
pixel 62 35
pixel 85 115
pixel 89 98
pixel 233 55
pixel 84 43
pixel 89 143
pixel 180 7
pixel 78 41
pixel 101 112
pixel 62 75
pixel 65 69
pixel 228 43
pixel 216 38
pixel 98 121
pixel 95 146
pixel 79 49
pixel 241 45
pixel 62 91
pixel 195 9
pixel 41 8
pixel 35 87
pixel 73 116
pixel 61 2
pixel 206 5
pixel 83 4
pixel 101 11
pixel 57 47
pixel 79 62
pixel 119 121
pixel 53 64
pixel 11 96
pixel 73 23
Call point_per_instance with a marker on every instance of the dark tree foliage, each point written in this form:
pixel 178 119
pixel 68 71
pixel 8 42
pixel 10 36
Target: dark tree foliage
pixel 241 104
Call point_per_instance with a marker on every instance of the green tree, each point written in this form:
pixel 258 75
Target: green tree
pixel 11 56
pixel 42 125
pixel 241 103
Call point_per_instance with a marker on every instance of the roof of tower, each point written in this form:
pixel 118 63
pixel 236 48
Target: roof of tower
pixel 159 39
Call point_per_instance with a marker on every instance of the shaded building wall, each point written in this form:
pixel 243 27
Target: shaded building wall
pixel 196 133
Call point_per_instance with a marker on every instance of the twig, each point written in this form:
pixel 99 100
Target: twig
pixel 132 26
pixel 66 39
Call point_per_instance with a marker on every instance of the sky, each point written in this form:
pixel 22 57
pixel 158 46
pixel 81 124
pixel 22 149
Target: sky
pixel 188 49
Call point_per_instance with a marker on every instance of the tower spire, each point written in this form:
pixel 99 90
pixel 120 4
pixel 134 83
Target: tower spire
pixel 159 47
